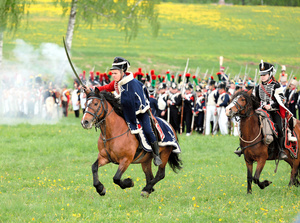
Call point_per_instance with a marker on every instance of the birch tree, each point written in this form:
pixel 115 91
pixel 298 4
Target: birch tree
pixel 126 15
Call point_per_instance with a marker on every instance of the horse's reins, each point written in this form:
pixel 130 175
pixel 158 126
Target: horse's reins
pixel 100 119
pixel 247 115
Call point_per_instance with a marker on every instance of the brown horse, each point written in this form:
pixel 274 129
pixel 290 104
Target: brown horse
pixel 117 145
pixel 252 146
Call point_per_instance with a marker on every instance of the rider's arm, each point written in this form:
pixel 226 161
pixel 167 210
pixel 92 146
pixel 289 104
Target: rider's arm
pixel 109 87
pixel 279 97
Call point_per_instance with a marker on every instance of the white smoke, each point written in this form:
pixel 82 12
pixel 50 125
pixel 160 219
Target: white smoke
pixel 18 79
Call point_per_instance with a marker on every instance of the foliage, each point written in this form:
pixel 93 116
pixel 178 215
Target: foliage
pixel 242 2
pixel 46 176
pixel 11 13
pixel 127 15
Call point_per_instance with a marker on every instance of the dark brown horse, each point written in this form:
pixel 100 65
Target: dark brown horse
pixel 243 105
pixel 117 145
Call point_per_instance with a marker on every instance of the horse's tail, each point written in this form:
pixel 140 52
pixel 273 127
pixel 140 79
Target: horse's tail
pixel 174 162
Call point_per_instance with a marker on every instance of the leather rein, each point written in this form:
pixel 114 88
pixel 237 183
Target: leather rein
pixel 100 119
pixel 246 115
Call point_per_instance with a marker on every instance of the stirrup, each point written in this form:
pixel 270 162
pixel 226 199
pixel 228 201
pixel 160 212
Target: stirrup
pixel 282 155
pixel 290 137
pixel 157 160
pixel 238 152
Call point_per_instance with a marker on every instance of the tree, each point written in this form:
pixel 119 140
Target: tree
pixel 11 14
pixel 127 15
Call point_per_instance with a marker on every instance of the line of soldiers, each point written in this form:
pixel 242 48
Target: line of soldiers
pixel 187 103
pixel 200 105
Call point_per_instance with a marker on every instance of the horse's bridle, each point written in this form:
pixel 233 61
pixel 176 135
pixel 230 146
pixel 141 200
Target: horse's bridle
pixel 240 108
pixel 100 119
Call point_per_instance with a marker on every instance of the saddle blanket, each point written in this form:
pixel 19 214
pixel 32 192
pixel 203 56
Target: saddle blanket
pixel 168 138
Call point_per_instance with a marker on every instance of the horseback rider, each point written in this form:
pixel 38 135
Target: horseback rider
pixel 135 103
pixel 270 95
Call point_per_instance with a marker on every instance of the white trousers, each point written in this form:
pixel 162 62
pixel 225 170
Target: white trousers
pixel 210 110
pixel 222 120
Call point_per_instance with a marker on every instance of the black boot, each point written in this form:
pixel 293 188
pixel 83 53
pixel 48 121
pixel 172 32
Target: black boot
pixel 282 154
pixel 238 152
pixel 155 149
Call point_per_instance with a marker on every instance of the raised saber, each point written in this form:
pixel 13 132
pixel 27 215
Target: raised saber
pixel 69 59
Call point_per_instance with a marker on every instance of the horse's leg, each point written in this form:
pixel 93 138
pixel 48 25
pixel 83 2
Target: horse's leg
pixel 164 155
pixel 148 173
pixel 121 169
pixel 260 165
pixel 294 172
pixel 249 176
pixel 97 184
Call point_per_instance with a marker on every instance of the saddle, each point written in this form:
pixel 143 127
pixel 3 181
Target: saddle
pixel 268 127
pixel 269 132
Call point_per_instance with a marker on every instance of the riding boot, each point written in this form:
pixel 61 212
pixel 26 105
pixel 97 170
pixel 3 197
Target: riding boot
pixel 238 152
pixel 291 138
pixel 155 149
pixel 282 154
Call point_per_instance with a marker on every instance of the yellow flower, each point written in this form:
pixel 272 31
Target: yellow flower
pixel 193 198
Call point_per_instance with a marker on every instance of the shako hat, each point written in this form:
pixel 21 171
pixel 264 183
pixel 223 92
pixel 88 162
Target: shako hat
pixel 120 64
pixel 266 68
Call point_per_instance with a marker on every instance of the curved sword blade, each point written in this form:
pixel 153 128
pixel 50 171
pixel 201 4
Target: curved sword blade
pixel 69 59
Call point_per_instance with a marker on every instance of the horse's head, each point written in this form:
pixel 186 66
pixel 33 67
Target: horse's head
pixel 240 105
pixel 94 109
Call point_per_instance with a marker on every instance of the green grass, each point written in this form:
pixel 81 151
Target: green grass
pixel 242 34
pixel 45 175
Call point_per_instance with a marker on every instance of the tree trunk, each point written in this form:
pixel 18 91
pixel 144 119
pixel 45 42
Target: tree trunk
pixel 71 24
pixel 1 47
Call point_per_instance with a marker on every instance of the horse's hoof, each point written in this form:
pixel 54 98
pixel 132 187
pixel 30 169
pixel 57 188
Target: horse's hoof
pixel 145 194
pixel 103 192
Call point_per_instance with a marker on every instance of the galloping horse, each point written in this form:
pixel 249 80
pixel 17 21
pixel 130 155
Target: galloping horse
pixel 243 105
pixel 117 145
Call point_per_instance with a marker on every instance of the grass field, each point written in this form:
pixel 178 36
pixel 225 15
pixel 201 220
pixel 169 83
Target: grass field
pixel 242 34
pixel 45 170
pixel 45 176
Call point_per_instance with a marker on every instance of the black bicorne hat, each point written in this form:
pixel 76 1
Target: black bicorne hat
pixel 120 64
pixel 266 68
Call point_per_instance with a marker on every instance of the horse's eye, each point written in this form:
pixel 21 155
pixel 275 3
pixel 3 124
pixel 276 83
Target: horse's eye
pixel 243 99
pixel 96 104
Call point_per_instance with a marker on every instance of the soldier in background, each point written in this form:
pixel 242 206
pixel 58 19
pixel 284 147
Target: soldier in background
pixel 291 96
pixel 189 100
pixel 173 103
pixel 65 99
pixel 199 110
pixel 212 97
pixel 162 101
pixel 75 98
pixel 221 105
pixel 153 101
pixel 50 100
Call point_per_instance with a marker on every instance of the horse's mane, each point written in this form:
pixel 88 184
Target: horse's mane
pixel 115 102
pixel 249 98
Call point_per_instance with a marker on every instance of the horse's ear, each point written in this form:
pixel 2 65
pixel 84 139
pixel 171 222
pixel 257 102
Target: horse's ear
pixel 250 92
pixel 97 91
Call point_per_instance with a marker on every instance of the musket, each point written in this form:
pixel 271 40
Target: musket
pixel 226 70
pixel 69 59
pixel 255 78
pixel 182 91
pixel 205 74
